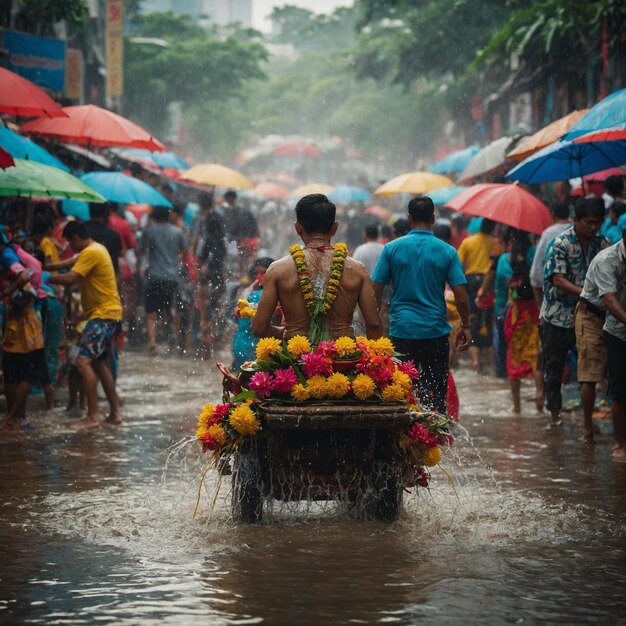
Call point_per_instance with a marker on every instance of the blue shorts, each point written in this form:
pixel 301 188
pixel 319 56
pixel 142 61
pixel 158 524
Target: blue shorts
pixel 98 339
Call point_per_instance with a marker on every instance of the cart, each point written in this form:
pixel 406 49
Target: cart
pixel 323 451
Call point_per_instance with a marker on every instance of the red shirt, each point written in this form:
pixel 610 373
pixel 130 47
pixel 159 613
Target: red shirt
pixel 123 229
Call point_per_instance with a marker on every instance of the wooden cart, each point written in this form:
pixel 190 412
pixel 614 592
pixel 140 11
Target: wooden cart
pixel 323 451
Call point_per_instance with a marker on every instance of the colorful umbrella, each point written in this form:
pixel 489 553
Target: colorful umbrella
pixel 413 183
pixel 23 148
pixel 610 112
pixel 20 97
pixel 618 133
pixel 29 178
pixel 90 125
pixel 544 137
pixel 76 208
pixel 602 175
pixel 6 160
pixel 378 211
pixel 268 191
pixel 455 162
pixel 117 187
pixel 298 149
pixel 488 159
pixel 348 193
pixel 564 160
pixel 445 194
pixel 504 203
pixel 163 160
pixel 218 176
pixel 305 190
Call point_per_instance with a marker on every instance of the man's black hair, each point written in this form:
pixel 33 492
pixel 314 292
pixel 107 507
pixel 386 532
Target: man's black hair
pixel 561 209
pixel 443 232
pixel 99 211
pixel 487 226
pixel 230 195
pixel 421 209
pixel 41 225
pixel 371 231
pixel 618 208
pixel 589 207
pixel 401 227
pixel 160 214
pixel 205 200
pixel 264 261
pixel 316 213
pixel 75 229
pixel 614 186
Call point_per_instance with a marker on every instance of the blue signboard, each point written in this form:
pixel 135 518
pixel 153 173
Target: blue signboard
pixel 40 59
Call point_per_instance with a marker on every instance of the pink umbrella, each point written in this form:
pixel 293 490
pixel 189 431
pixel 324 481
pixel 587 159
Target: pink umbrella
pixel 508 204
pixel 269 191
pixel 378 211
pixel 604 174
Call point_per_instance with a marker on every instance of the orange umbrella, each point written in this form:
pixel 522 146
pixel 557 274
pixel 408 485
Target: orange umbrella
pixel 546 136
pixel 90 125
pixel 413 183
pixel 19 96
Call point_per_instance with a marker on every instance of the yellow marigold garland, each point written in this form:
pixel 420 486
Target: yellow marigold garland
pixel 244 420
pixel 393 393
pixel 300 393
pixel 337 385
pixel 363 386
pixel 317 387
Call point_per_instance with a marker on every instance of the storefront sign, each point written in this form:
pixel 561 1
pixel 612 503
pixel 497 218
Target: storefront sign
pixel 115 47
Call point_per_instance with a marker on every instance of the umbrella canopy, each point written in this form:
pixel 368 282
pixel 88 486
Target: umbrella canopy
pixel 378 211
pixel 269 191
pixel 217 175
pixel 489 158
pixel 76 208
pixel 610 112
pixel 455 162
pixel 305 190
pixel 117 187
pixel 413 183
pixel 164 160
pixel 445 194
pixel 546 136
pixel 20 97
pixel 602 175
pixel 618 133
pixel 348 193
pixel 504 203
pixel 6 160
pixel 90 125
pixel 23 148
pixel 297 149
pixel 564 160
pixel 29 178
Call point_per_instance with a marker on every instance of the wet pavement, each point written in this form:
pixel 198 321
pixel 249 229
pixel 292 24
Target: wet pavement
pixel 525 525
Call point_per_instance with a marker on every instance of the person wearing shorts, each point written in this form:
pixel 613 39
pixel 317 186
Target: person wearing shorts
pixel 97 359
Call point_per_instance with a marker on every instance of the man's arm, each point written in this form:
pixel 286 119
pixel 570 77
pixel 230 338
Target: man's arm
pixel 560 282
pixel 21 279
pixel 262 321
pixel 378 292
pixel 464 335
pixel 68 279
pixel 369 308
pixel 61 265
pixel 614 307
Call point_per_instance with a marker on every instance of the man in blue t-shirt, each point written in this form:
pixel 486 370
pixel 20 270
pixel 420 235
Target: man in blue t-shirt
pixel 419 265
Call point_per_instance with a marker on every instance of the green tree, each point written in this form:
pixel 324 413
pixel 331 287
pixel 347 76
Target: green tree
pixel 38 16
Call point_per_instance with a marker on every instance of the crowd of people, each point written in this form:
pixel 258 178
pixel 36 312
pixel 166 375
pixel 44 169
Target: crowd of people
pixel 173 281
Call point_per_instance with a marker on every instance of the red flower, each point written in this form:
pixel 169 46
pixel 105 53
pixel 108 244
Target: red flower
pixel 408 367
pixel 221 410
pixel 208 443
pixel 262 383
pixel 315 363
pixel 326 348
pixel 420 434
pixel 284 380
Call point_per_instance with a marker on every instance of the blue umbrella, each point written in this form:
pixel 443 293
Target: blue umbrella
pixel 608 113
pixel 22 148
pixel 118 187
pixel 454 162
pixel 347 193
pixel 76 208
pixel 162 159
pixel 563 160
pixel 445 194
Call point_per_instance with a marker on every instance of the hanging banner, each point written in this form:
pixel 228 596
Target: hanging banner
pixel 39 59
pixel 74 76
pixel 115 47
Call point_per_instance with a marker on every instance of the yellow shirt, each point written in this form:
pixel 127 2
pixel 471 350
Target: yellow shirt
pixel 474 253
pixel 23 333
pixel 98 290
pixel 50 250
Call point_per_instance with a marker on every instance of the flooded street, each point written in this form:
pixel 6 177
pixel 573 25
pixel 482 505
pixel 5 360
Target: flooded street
pixel 97 527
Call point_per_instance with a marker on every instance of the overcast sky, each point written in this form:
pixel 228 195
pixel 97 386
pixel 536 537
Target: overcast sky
pixel 262 8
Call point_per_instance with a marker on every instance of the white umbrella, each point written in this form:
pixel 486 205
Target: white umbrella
pixel 491 156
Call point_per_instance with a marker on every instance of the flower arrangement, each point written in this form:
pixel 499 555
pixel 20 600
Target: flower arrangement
pixel 245 309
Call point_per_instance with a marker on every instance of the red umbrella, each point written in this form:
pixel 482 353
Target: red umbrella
pixel 269 191
pixel 19 96
pixel 298 149
pixel 604 174
pixel 6 160
pixel 508 204
pixel 92 126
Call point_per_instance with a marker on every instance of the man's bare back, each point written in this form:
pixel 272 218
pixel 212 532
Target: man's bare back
pixel 281 286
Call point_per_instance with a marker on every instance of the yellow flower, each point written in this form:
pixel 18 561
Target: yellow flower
pixel 206 413
pixel 299 392
pixel 393 393
pixel 298 345
pixel 416 408
pixel 337 385
pixel 317 386
pixel 244 420
pixel 201 431
pixel 431 456
pixel 267 347
pixel 363 386
pixel 242 303
pixel 382 347
pixel 218 434
pixel 402 379
pixel 345 346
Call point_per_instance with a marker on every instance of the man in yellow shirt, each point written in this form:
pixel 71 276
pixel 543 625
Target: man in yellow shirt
pixel 93 269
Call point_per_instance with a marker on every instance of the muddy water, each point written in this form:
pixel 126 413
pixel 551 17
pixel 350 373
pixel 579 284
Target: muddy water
pixel 97 527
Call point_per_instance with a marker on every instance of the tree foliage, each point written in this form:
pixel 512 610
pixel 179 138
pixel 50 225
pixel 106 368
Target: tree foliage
pixel 39 15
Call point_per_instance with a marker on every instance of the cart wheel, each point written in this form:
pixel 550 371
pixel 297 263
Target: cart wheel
pixel 388 493
pixel 247 498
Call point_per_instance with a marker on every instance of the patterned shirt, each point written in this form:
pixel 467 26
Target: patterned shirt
pixel 566 256
pixel 611 278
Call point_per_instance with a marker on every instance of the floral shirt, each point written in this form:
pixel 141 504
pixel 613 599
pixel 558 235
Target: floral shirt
pixel 566 256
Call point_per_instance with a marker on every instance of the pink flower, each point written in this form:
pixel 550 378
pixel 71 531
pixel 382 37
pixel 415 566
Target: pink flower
pixel 208 443
pixel 420 434
pixel 262 383
pixel 315 363
pixel 408 367
pixel 221 410
pixel 326 348
pixel 284 380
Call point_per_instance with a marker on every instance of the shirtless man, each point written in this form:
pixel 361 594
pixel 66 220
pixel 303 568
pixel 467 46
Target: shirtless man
pixel 316 225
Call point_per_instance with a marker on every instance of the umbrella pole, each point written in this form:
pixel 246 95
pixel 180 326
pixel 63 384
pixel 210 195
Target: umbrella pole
pixel 582 178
